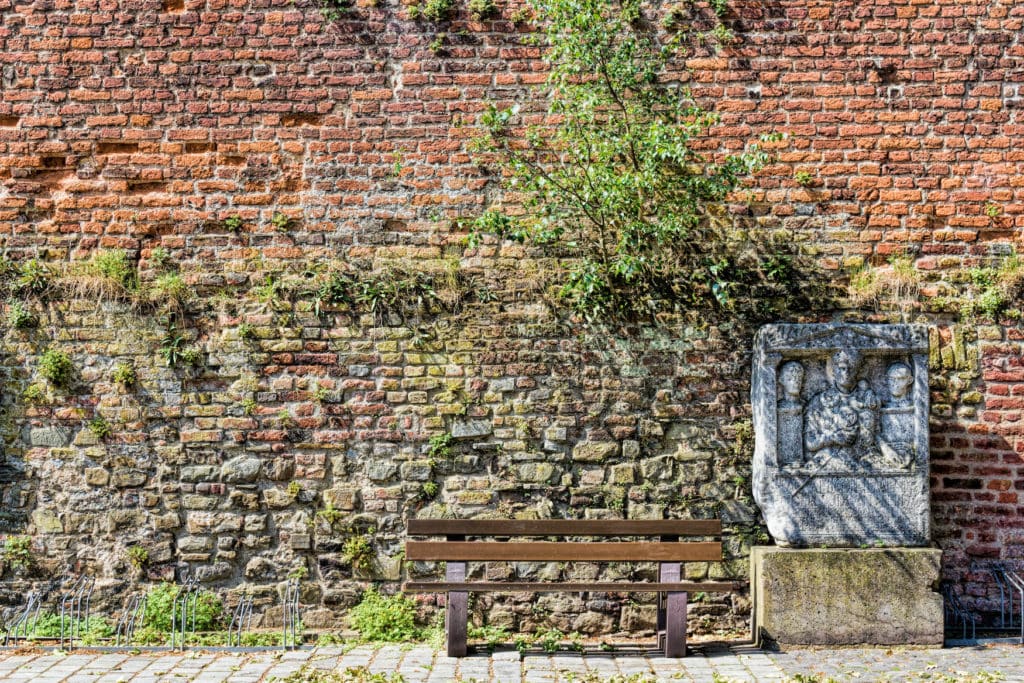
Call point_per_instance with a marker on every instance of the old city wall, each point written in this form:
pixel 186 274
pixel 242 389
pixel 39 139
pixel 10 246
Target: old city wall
pixel 248 147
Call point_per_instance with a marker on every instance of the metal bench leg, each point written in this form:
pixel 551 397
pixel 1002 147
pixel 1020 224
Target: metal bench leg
pixel 457 613
pixel 675 613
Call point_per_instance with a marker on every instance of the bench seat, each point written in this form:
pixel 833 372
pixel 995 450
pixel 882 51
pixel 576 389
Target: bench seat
pixel 666 548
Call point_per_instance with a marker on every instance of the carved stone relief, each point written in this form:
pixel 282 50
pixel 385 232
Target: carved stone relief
pixel 841 423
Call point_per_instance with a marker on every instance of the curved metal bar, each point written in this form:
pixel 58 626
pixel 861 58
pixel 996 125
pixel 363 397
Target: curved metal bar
pixel 66 611
pixel 1018 583
pixel 24 619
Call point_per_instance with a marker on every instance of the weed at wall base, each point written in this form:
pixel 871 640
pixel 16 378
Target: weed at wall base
pixel 388 619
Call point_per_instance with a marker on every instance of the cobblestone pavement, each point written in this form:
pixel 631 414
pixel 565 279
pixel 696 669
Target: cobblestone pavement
pixel 419 664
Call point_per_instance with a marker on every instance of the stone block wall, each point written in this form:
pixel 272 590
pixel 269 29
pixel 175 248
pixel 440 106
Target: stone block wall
pixel 343 141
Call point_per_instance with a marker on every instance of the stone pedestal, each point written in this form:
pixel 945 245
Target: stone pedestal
pixel 878 596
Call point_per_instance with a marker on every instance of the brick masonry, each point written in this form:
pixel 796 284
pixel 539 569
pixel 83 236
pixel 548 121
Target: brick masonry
pixel 147 124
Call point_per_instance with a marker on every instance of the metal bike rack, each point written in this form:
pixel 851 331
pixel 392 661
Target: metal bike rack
pixel 66 603
pixel 72 614
pixel 26 620
pixel 188 596
pixel 1013 583
pixel 132 614
pixel 956 614
pixel 292 617
pixel 241 620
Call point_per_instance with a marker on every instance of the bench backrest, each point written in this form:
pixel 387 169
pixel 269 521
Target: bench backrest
pixel 668 530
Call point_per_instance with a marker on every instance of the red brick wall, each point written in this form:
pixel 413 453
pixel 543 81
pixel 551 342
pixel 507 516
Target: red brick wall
pixel 142 124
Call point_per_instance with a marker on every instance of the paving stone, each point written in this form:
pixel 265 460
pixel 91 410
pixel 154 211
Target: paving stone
pixel 422 665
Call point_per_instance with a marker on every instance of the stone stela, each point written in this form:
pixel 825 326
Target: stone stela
pixel 841 424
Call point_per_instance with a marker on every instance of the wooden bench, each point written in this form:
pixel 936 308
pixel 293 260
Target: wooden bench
pixel 667 549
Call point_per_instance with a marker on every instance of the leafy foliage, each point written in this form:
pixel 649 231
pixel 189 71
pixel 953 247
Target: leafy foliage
pixel 440 446
pixel 100 428
pixel 160 602
pixel 993 291
pixel 335 290
pixel 138 556
pixel 492 636
pixel 233 223
pixel 175 351
pixel 434 10
pixel 17 553
pixel 160 258
pixel 48 625
pixel 280 221
pixel 34 394
pixel 358 552
pixel 33 277
pixel 169 291
pixel 108 274
pixel 19 316
pixel 804 178
pixel 390 619
pixel 482 9
pixel 353 674
pixel 897 285
pixel 617 182
pixel 124 374
pixel 115 266
pixel 56 366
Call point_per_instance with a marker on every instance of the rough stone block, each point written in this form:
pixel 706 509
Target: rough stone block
pixel 594 451
pixel 54 437
pixel 47 522
pixel 166 522
pixel 846 596
pixel 128 478
pixel 195 473
pixel 342 497
pixel 381 470
pixel 469 429
pixel 96 476
pixel 535 472
pixel 623 473
pixel 194 502
pixel 417 470
pixel 278 498
pixel 282 469
pixel 241 470
pixel 639 618
pixel 657 469
pixel 474 497
pixel 645 511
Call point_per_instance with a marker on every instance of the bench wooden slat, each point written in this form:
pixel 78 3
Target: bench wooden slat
pixel 594 587
pixel 697 551
pixel 565 527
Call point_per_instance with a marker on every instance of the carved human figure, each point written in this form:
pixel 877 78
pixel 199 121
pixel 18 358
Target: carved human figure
pixel 790 414
pixel 841 421
pixel 896 441
pixel 900 380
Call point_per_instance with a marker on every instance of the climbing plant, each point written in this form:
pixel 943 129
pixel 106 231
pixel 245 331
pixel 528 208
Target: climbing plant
pixel 614 179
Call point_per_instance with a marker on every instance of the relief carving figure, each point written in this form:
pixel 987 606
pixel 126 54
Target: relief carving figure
pixel 842 421
pixel 791 414
pixel 840 413
pixel 897 441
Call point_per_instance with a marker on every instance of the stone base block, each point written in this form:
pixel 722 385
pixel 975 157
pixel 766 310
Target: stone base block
pixel 884 596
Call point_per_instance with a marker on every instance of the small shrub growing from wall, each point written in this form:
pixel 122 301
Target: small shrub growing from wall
pixel 56 367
